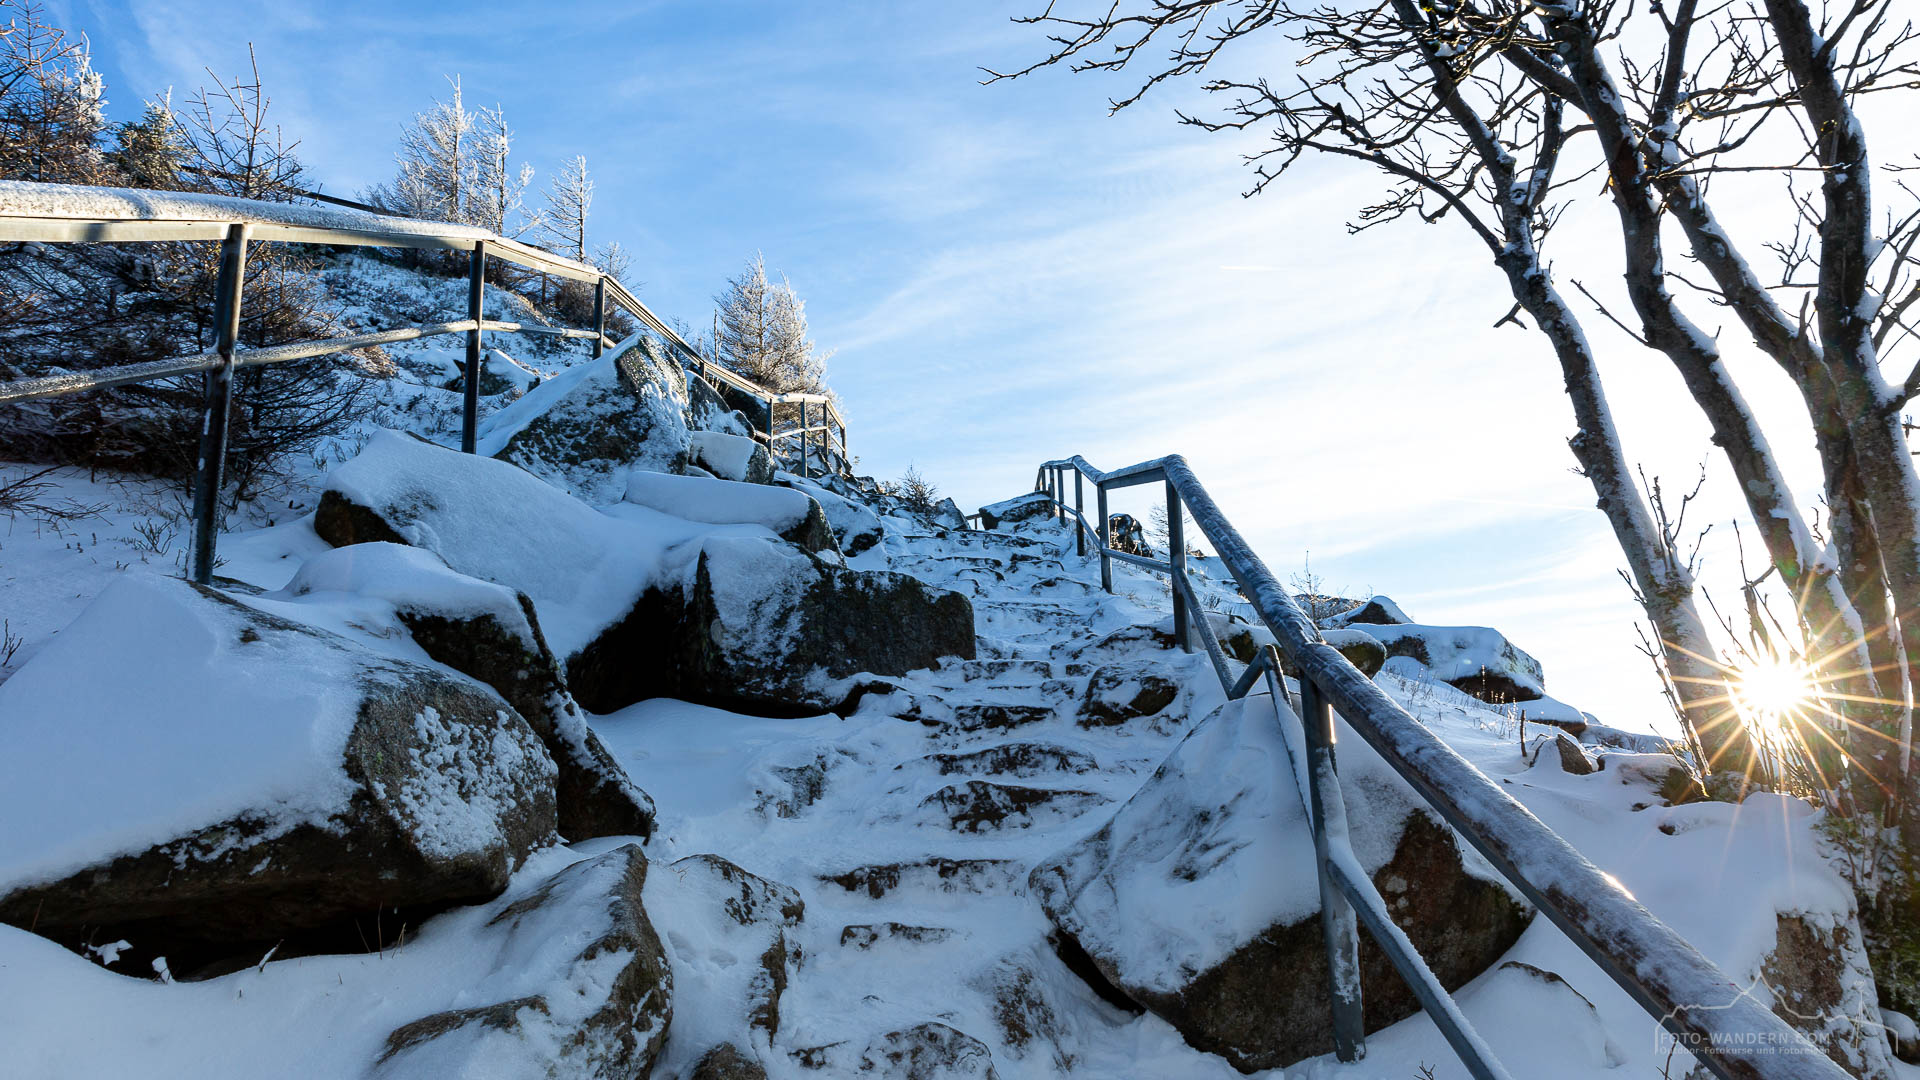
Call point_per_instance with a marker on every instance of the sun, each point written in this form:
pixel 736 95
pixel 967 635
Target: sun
pixel 1772 690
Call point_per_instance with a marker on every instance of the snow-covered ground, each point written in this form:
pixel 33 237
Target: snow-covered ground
pixel 916 912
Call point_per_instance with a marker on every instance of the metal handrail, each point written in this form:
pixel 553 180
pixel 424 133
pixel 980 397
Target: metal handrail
pixel 1735 1036
pixel 68 214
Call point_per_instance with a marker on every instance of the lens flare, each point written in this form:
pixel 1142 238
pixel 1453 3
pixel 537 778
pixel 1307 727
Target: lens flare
pixel 1772 691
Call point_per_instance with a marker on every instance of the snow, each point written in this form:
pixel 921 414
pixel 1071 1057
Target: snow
pixel 409 578
pixel 1459 652
pixel 194 726
pixel 727 455
pixel 491 520
pixel 718 502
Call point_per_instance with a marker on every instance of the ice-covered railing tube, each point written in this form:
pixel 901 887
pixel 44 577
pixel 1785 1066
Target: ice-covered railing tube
pixel 1724 1027
pixel 67 214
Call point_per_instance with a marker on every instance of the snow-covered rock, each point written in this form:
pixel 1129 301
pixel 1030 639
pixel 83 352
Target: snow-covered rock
pixel 1377 611
pixel 491 633
pixel 1012 511
pixel 584 429
pixel 578 986
pixel 769 624
pixel 790 514
pixel 731 457
pixel 243 778
pixel 1199 899
pixel 855 526
pixel 1127 690
pixel 641 603
pixel 729 940
pixel 1476 659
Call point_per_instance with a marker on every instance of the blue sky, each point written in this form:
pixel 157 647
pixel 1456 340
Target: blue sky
pixel 1009 275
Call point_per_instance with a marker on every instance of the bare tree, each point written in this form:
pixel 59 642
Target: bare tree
pixel 237 151
pixel 436 167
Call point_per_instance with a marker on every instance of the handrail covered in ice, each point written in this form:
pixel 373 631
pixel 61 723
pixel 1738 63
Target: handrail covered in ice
pixel 1730 1032
pixel 71 214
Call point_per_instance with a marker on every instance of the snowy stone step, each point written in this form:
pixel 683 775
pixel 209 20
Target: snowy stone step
pixel 866 936
pixel 933 875
pixel 1019 759
pixel 999 716
pixel 982 806
pixel 1004 672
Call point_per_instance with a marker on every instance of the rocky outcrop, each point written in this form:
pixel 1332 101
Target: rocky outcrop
pixel 490 632
pixel 269 809
pixel 583 985
pixel 1240 969
pixel 584 429
pixel 638 605
pixel 1475 659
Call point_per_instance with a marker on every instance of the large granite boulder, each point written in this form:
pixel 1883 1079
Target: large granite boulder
pixel 1199 899
pixel 244 779
pixel 585 428
pixel 491 632
pixel 790 514
pixel 765 621
pixel 580 987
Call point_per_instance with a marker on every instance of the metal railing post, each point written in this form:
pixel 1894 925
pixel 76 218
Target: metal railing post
pixel 599 317
pixel 1080 508
pixel 1106 535
pixel 805 420
pixel 846 461
pixel 1337 922
pixel 1177 559
pixel 476 297
pixel 218 401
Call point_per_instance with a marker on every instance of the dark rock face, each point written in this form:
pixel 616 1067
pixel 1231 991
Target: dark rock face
pixel 450 790
pixel 866 935
pixel 949 515
pixel 994 716
pixel 1126 691
pixel 947 875
pixel 928 1051
pixel 340 521
pixel 1243 973
pixel 743 642
pixel 608 1028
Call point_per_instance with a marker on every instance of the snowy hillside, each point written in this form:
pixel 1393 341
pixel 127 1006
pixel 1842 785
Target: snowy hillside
pixel 581 757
